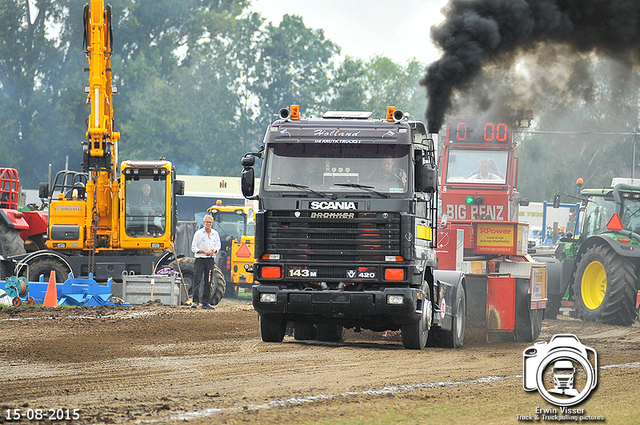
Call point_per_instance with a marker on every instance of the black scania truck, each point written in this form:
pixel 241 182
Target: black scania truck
pixel 345 231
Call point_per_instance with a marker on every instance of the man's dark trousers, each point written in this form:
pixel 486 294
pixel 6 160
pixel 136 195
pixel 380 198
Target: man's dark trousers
pixel 203 266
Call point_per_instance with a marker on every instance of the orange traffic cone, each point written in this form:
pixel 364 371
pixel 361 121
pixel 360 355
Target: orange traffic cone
pixel 51 297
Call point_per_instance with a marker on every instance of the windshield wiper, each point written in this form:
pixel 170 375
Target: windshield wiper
pixel 301 186
pixel 363 187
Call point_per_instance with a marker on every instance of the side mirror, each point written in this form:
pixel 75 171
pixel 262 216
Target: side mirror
pixel 428 178
pixel 523 202
pixel 556 200
pixel 178 187
pixel 247 180
pixel 43 190
pixel 248 161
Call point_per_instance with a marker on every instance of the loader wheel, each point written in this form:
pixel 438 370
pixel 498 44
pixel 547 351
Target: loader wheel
pixel 454 338
pixel 10 241
pixel 604 287
pixel 187 266
pixel 272 327
pixel 44 267
pixel 218 286
pixel 415 335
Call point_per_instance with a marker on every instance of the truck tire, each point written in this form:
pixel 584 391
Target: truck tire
pixel 272 327
pixel 328 332
pixel 10 241
pixel 554 303
pixel 415 335
pixel 454 338
pixel 604 287
pixel 304 331
pixel 45 266
pixel 528 324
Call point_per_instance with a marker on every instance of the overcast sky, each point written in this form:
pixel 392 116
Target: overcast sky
pixel 397 29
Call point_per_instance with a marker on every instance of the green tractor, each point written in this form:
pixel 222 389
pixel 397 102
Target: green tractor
pixel 600 268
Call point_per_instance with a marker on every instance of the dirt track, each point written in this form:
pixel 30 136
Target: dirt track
pixel 162 364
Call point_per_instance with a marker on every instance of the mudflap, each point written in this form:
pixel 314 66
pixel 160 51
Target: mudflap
pixel 445 294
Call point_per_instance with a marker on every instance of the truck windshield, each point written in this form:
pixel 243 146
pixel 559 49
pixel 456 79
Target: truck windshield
pixel 476 166
pixel 383 167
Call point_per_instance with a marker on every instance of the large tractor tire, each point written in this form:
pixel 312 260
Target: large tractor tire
pixel 44 266
pixel 10 241
pixel 218 284
pixel 604 287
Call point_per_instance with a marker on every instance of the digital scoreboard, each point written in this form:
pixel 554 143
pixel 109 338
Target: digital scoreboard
pixel 474 130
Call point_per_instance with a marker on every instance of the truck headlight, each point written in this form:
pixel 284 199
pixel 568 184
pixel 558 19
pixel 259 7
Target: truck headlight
pixel 268 298
pixel 395 299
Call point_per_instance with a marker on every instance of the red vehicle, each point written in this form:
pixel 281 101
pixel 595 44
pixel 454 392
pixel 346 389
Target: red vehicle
pixel 506 287
pixel 20 231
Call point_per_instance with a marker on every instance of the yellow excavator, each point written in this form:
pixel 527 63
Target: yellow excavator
pixel 109 219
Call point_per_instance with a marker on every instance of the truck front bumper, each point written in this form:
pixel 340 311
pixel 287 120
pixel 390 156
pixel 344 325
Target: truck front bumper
pixel 402 305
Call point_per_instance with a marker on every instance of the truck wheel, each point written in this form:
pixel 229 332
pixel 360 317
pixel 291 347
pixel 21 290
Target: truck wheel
pixel 528 324
pixel 604 287
pixel 328 332
pixel 218 286
pixel 553 306
pixel 303 331
pixel 415 335
pixel 454 338
pixel 10 241
pixel 45 266
pixel 272 327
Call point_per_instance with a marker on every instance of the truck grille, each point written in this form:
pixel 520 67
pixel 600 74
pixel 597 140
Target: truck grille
pixel 343 236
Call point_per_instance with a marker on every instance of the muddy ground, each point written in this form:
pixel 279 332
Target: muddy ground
pixel 169 364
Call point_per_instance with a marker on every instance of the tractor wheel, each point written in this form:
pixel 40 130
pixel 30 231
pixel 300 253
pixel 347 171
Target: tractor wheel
pixel 44 266
pixel 218 286
pixel 10 241
pixel 272 327
pixel 604 287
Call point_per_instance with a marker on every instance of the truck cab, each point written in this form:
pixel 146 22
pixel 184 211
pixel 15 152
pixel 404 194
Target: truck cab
pixel 345 230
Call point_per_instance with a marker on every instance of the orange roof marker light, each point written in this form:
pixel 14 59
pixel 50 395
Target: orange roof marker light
pixel 390 111
pixel 295 112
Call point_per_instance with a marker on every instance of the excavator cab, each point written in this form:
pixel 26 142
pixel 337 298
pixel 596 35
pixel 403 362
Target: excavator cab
pixel 148 212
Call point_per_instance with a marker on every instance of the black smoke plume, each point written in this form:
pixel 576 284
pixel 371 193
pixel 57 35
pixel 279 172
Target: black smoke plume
pixel 478 32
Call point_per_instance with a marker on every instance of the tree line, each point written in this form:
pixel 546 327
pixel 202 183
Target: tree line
pixel 199 80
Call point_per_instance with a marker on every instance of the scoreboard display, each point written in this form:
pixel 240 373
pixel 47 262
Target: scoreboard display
pixel 475 130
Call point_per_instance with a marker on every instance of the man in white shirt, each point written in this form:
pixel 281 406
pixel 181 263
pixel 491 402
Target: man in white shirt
pixel 205 245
